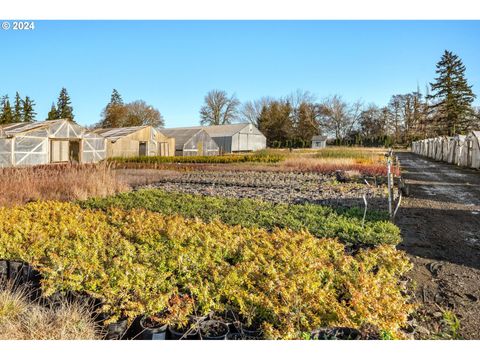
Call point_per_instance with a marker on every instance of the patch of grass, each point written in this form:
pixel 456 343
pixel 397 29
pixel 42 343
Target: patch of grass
pixel 452 325
pixel 321 221
pixel 342 152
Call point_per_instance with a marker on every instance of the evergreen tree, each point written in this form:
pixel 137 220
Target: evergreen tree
pixel 28 110
pixel 307 125
pixel 6 115
pixel 64 108
pixel 115 98
pixel 452 95
pixel 114 114
pixel 275 122
pixel 53 113
pixel 17 108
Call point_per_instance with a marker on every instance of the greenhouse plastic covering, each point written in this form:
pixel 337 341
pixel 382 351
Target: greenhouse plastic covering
pixel 28 143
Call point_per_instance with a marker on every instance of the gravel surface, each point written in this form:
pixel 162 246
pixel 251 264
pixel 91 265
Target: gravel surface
pixel 275 187
pixel 440 223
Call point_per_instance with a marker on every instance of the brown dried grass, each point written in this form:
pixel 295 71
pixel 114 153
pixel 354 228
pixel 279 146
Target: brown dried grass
pixel 63 182
pixel 22 319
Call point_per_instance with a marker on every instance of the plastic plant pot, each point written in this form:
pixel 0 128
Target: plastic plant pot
pixel 150 331
pixel 213 330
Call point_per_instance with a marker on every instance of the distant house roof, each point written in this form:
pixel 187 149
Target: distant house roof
pixel 182 135
pixel 113 134
pixel 319 138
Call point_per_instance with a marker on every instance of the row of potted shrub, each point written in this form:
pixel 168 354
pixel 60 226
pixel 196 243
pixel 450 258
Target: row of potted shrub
pixel 136 261
pixel 321 221
pixel 259 157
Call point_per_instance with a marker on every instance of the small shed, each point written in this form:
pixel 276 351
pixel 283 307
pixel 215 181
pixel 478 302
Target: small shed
pixel 137 141
pixel 192 141
pixel 473 149
pixel 52 141
pixel 319 142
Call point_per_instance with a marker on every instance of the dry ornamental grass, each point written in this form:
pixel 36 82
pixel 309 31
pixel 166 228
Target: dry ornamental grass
pixel 22 319
pixel 63 182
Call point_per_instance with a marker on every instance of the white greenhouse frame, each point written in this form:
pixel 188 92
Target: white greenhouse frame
pixel 23 144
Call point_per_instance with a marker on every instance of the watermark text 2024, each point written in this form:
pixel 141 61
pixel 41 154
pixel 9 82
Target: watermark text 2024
pixel 18 25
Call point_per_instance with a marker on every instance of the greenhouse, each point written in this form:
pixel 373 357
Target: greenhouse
pixel 473 146
pixel 461 150
pixel 51 141
pixel 192 142
pixel 230 138
pixel 137 141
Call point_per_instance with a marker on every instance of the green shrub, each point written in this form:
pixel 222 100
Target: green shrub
pixel 136 261
pixel 261 157
pixel 321 221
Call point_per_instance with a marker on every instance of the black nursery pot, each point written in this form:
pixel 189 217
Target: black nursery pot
pixel 3 271
pixel 19 273
pixel 182 334
pixel 152 333
pixel 336 333
pixel 214 330
pixel 116 330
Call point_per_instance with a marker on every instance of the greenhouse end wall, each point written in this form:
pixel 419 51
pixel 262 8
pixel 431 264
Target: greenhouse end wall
pixel 33 146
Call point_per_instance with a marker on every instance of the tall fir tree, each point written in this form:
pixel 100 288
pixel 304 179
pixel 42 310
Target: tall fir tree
pixel 114 114
pixel 64 108
pixel 53 113
pixel 115 98
pixel 6 114
pixel 17 109
pixel 28 110
pixel 452 96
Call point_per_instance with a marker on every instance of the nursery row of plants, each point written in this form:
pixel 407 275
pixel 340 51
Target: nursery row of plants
pixel 256 157
pixel 321 221
pixel 168 268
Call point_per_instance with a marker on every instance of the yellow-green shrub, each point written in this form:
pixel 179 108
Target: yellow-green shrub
pixel 135 260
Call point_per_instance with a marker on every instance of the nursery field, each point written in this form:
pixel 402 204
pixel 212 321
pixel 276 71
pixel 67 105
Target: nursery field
pixel 254 248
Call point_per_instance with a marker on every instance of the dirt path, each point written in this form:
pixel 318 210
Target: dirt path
pixel 440 223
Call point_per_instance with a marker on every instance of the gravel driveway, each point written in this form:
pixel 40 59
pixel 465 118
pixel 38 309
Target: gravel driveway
pixel 440 223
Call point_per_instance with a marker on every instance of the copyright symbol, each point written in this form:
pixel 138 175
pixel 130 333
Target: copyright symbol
pixel 5 25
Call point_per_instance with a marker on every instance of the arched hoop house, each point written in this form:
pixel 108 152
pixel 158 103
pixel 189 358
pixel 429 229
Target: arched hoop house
pixel 51 141
pixel 473 148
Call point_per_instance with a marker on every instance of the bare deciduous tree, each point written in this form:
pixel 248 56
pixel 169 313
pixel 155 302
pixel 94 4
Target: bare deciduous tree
pixel 251 110
pixel 219 109
pixel 338 117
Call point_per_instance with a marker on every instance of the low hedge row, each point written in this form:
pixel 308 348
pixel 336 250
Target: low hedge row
pixel 135 261
pixel 223 159
pixel 321 221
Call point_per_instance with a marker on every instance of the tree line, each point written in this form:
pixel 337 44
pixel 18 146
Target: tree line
pixel 444 109
pixel 115 114
pixel 21 111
